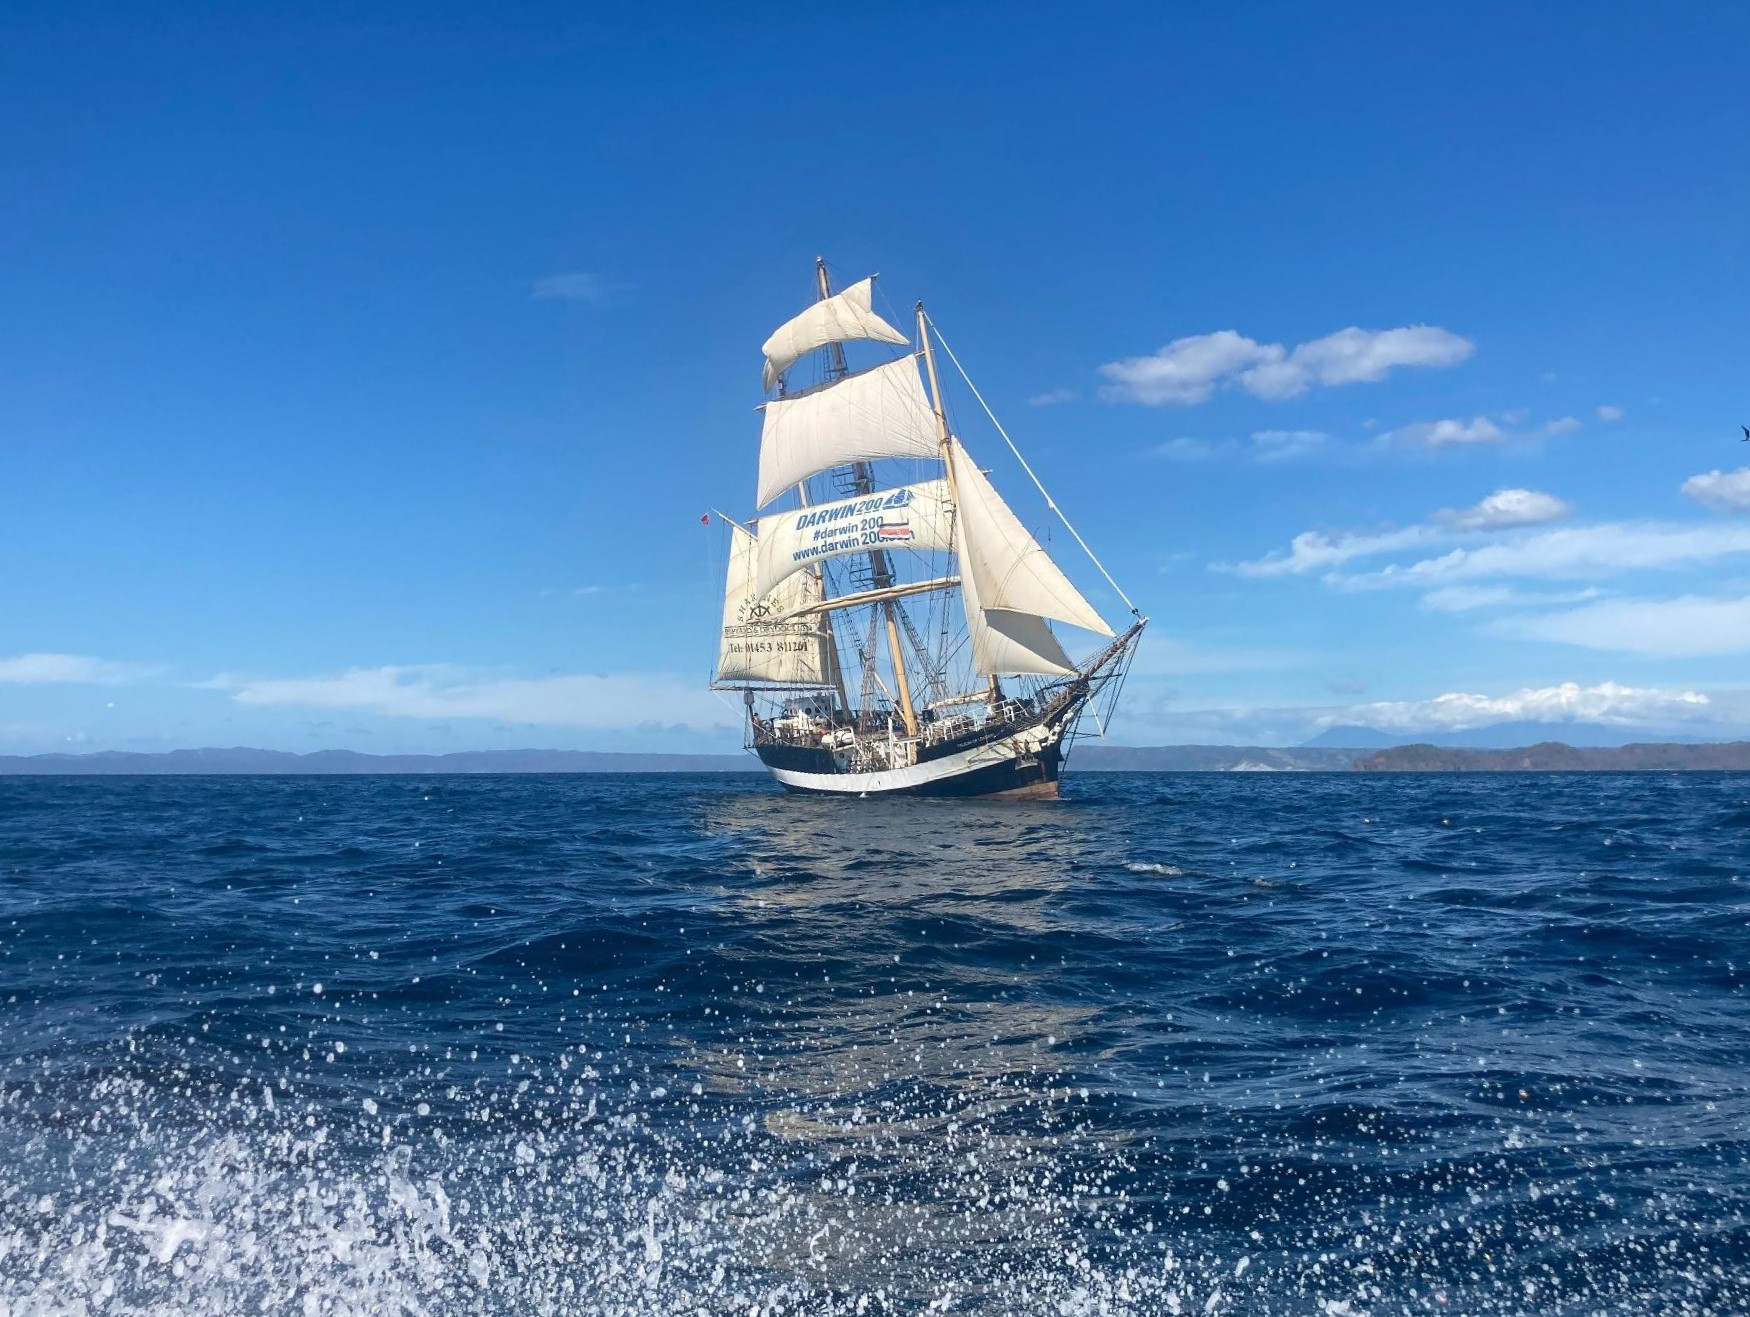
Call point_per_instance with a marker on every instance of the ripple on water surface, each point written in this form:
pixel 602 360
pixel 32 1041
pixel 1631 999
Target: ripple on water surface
pixel 593 1044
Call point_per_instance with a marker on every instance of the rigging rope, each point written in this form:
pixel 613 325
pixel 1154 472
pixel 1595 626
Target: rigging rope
pixel 1037 484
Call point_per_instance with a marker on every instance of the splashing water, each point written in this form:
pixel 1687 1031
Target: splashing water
pixel 1180 1044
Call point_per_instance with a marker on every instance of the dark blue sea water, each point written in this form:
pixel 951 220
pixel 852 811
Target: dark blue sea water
pixel 675 1045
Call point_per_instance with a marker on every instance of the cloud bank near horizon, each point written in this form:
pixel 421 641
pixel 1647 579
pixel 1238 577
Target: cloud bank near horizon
pixel 446 691
pixel 43 669
pixel 644 704
pixel 1485 556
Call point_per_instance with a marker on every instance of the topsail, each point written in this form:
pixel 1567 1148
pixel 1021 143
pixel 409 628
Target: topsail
pixel 879 413
pixel 840 319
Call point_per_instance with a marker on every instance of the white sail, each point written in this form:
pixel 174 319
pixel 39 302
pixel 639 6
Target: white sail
pixel 1005 642
pixel 837 319
pixel 792 653
pixel 878 413
pixel 919 516
pixel 1010 571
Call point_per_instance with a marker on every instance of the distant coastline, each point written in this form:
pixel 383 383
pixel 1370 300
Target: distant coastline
pixel 1546 757
pixel 243 760
pixel 1556 757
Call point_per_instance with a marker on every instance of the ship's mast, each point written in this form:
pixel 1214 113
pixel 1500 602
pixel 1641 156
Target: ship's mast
pixel 995 690
pixel 942 435
pixel 830 649
pixel 823 286
pixel 880 569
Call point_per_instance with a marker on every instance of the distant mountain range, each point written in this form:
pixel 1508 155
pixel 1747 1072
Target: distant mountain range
pixel 1498 736
pixel 1094 758
pixel 243 760
pixel 1549 756
pixel 1554 757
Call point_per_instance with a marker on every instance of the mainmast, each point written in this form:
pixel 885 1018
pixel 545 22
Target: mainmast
pixel 880 568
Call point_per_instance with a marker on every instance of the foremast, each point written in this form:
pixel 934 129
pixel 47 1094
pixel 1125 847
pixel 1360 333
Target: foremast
pixel 830 648
pixel 994 690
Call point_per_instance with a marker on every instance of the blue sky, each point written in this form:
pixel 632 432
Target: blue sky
pixel 365 369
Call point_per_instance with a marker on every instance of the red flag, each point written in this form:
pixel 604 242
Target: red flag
pixel 705 520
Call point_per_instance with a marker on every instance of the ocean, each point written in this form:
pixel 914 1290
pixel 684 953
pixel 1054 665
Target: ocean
pixel 1179 1043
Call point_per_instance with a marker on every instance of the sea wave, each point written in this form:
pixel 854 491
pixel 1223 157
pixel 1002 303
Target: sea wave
pixel 1206 1043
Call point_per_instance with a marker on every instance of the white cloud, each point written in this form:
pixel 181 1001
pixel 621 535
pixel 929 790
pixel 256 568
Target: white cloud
pixel 1686 627
pixel 72 669
pixel 1610 412
pixel 1472 577
pixel 1188 370
pixel 1316 551
pixel 1354 356
pixel 1285 445
pixel 1185 371
pixel 1568 702
pixel 1265 447
pixel 1465 598
pixel 1456 431
pixel 444 691
pixel 574 286
pixel 1183 450
pixel 1313 551
pixel 1506 508
pixel 1446 433
pixel 1643 712
pixel 1051 397
pixel 1723 491
pixel 1578 552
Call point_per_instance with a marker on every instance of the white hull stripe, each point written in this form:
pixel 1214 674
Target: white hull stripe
pixel 899 779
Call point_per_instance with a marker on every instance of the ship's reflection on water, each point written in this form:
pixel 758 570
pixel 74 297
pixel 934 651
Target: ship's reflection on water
pixel 906 941
pixel 914 1081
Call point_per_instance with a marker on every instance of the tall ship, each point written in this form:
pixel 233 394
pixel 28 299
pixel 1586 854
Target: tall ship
pixel 890 623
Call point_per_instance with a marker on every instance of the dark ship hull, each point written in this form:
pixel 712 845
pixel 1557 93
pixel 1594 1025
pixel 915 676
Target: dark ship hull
pixel 1017 752
pixel 994 769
